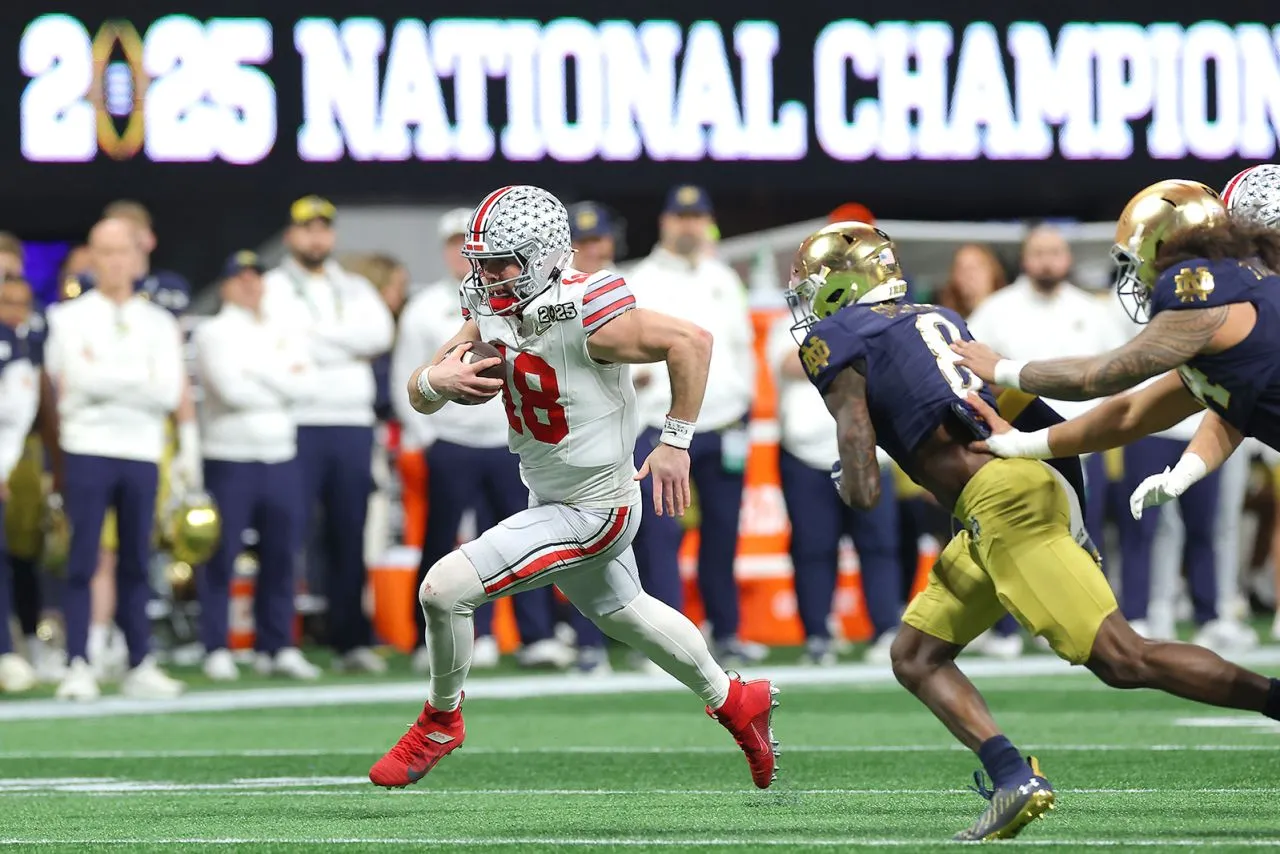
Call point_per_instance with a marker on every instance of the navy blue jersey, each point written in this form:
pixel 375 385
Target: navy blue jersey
pixel 913 384
pixel 1241 384
pixel 904 351
pixel 165 288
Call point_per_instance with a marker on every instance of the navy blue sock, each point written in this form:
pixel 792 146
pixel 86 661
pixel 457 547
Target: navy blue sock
pixel 1005 765
pixel 1272 708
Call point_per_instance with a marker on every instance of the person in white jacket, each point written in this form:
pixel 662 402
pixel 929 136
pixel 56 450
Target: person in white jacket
pixel 346 326
pixel 115 359
pixel 681 279
pixel 19 397
pixel 253 372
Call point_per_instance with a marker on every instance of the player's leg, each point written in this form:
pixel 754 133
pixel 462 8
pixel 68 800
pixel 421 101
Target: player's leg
pixel 610 594
pixel 958 604
pixel 450 491
pixel 530 549
pixel 505 495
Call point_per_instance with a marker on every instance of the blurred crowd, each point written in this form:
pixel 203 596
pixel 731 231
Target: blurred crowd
pixel 276 434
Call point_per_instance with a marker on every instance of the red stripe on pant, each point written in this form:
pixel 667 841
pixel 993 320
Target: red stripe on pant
pixel 538 564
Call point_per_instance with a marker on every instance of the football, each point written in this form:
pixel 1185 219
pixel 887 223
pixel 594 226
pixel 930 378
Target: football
pixel 480 351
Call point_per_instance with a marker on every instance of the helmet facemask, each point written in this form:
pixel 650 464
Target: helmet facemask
pixel 521 226
pixel 1132 292
pixel 800 300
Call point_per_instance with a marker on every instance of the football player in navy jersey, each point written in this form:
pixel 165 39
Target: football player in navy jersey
pixel 888 374
pixel 1209 285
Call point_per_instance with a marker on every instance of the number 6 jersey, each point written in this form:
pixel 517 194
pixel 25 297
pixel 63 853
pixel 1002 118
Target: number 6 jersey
pixel 904 351
pixel 572 419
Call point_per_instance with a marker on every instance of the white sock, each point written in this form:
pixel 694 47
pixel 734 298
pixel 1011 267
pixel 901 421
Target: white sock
pixel 449 596
pixel 670 641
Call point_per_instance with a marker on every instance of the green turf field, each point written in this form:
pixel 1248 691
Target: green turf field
pixel 863 768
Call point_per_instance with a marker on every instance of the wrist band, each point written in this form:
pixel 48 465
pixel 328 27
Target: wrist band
pixel 677 433
pixel 1007 372
pixel 424 386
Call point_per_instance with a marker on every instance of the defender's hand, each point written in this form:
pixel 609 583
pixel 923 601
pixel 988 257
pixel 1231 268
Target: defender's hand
pixel 1152 492
pixel 992 419
pixel 455 378
pixel 978 358
pixel 670 469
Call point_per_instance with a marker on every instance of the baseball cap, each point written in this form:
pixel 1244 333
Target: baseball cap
pixel 454 223
pixel 588 220
pixel 245 259
pixel 307 208
pixel 852 212
pixel 688 199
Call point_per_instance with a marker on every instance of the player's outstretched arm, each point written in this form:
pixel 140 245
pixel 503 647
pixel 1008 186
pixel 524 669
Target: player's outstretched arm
pixel 1214 441
pixel 1114 423
pixel 1168 341
pixel 450 377
pixel 642 337
pixel 846 399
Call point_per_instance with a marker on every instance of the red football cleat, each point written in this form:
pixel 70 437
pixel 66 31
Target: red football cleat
pixel 431 738
pixel 748 715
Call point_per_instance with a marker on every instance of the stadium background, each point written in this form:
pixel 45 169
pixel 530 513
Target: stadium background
pixel 950 128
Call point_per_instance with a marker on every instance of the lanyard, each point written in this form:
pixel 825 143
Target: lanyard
pixel 299 279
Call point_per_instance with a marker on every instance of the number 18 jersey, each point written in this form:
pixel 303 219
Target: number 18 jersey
pixel 572 420
pixel 904 351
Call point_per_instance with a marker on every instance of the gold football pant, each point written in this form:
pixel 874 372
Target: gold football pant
pixel 1016 554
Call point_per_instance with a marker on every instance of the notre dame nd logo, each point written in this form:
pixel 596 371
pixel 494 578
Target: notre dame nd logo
pixel 1191 285
pixel 815 353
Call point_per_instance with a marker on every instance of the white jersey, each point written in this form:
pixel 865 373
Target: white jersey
pixel 572 420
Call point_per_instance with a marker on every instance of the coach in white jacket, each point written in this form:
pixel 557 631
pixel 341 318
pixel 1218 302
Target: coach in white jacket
pixel 115 359
pixel 253 373
pixel 347 326
pixel 679 278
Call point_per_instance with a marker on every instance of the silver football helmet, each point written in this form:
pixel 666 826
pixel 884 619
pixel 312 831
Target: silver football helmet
pixel 1253 196
pixel 521 225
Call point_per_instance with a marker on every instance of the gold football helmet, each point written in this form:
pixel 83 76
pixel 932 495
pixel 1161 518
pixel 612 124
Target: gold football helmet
pixel 191 530
pixel 1149 219
pixel 839 264
pixel 55 530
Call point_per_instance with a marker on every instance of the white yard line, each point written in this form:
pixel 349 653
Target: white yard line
pixel 663 842
pixel 520 687
pixel 626 749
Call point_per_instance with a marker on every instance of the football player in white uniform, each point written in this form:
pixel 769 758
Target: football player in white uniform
pixel 567 340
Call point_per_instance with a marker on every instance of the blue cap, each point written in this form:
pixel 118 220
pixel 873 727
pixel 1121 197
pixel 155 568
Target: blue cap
pixel 688 199
pixel 588 220
pixel 245 259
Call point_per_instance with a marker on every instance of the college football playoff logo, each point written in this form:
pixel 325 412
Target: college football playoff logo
pixel 119 89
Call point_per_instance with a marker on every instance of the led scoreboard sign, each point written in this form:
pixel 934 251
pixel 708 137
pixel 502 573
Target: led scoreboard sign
pixel 569 90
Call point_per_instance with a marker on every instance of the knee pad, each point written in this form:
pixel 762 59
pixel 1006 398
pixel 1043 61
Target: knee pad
pixel 452 584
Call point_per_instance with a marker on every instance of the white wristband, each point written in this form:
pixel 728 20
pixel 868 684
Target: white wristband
pixel 1189 469
pixel 424 386
pixel 677 433
pixel 1007 372
pixel 1015 443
